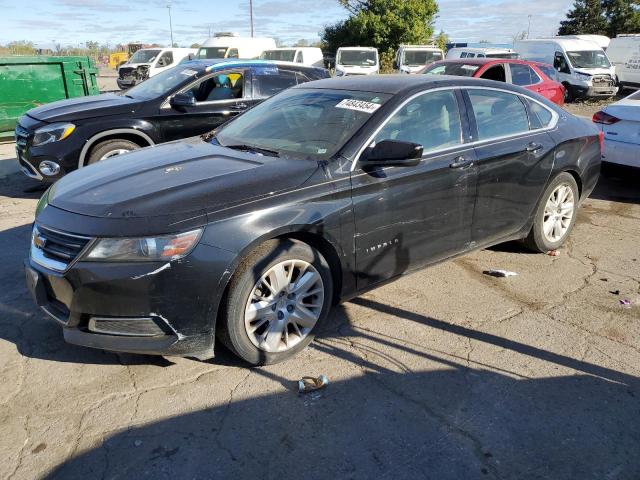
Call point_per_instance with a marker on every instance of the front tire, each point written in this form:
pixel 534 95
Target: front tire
pixel 110 148
pixel 555 214
pixel 275 302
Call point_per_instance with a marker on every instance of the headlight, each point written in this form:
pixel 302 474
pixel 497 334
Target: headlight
pixel 161 248
pixel 340 73
pixel 582 76
pixel 43 202
pixel 53 133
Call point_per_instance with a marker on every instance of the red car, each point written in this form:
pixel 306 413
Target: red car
pixel 534 76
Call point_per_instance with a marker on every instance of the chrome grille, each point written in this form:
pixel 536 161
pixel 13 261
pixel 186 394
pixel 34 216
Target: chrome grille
pixel 125 72
pixel 22 136
pixel 54 249
pixel 602 80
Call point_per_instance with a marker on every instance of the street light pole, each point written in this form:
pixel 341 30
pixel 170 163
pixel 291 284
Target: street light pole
pixel 529 27
pixel 251 15
pixel 170 24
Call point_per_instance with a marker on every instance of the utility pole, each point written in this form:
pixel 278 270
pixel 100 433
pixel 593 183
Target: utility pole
pixel 170 25
pixel 251 15
pixel 529 27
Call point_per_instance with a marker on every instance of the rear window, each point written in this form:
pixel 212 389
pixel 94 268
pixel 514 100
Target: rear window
pixel 458 69
pixel 540 117
pixel 549 71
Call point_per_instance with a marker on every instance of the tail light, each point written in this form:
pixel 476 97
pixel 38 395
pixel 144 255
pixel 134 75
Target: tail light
pixel 604 118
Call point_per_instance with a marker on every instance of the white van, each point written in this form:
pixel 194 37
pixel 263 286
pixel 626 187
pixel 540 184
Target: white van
pixel 583 67
pixel 148 62
pixel 231 45
pixel 481 52
pixel 357 61
pixel 601 40
pixel 413 58
pixel 624 54
pixel 311 56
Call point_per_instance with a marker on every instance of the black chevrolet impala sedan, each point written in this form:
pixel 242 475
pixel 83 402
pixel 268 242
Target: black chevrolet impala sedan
pixel 318 194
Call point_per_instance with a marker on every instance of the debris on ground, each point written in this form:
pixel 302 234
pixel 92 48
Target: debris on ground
pixel 500 273
pixel 625 302
pixel 614 292
pixel 553 253
pixel 137 443
pixel 310 384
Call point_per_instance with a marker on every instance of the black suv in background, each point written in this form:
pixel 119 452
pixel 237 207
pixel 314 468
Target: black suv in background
pixel 190 99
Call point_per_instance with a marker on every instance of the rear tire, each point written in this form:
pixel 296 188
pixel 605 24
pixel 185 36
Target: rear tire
pixel 268 314
pixel 110 148
pixel 555 214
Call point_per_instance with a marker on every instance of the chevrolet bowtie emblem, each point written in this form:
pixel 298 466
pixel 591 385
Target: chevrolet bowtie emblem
pixel 39 241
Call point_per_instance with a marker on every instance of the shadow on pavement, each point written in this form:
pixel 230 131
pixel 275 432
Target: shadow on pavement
pixel 17 185
pixel 457 421
pixel 618 183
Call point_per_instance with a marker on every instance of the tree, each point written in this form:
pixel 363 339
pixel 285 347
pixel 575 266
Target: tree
pixel 384 24
pixel 586 16
pixel 622 16
pixel 441 41
pixel 519 36
pixel 301 43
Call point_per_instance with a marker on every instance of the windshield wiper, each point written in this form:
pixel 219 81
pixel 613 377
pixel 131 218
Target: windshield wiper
pixel 251 148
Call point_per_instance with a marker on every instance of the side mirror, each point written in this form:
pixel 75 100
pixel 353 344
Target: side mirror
pixel 396 66
pixel 392 153
pixel 181 100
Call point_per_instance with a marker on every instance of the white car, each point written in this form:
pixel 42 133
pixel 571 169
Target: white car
pixel 620 123
pixel 147 62
pixel 357 61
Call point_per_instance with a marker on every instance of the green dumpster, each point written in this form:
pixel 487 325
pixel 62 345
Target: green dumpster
pixel 27 82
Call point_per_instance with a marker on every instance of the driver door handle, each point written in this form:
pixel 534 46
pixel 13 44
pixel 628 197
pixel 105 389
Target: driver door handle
pixel 533 147
pixel 239 106
pixel 461 162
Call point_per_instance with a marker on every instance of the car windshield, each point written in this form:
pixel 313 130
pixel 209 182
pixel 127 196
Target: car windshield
pixel 589 59
pixel 212 52
pixel 458 69
pixel 362 58
pixel 303 123
pixel 414 58
pixel 144 56
pixel 279 55
pixel 162 83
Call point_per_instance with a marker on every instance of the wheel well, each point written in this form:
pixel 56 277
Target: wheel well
pixel 132 137
pixel 578 180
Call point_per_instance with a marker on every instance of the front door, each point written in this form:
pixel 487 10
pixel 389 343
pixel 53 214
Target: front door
pixel 514 158
pixel 219 97
pixel 406 217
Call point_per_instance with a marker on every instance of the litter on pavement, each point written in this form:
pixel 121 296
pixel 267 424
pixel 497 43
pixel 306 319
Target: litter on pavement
pixel 500 273
pixel 310 384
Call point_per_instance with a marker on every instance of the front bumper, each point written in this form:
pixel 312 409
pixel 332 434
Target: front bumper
pixel 621 153
pixel 170 310
pixel 64 154
pixel 591 92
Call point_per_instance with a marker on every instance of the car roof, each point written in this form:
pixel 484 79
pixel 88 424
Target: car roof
pixel 400 84
pixel 485 60
pixel 220 63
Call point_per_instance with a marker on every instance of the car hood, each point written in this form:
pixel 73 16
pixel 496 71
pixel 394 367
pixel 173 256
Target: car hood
pixel 176 179
pixel 84 107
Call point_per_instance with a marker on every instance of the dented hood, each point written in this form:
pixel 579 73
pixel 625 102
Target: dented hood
pixel 74 109
pixel 178 178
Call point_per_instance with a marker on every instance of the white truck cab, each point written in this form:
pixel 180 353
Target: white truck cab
pixel 148 62
pixel 231 45
pixel 357 61
pixel 481 52
pixel 413 58
pixel 583 67
pixel 311 56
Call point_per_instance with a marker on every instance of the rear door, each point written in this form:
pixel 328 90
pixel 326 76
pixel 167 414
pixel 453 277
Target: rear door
pixel 219 97
pixel 406 217
pixel 514 158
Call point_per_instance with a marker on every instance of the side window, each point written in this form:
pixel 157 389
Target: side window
pixel 560 63
pixel 299 57
pixel 481 55
pixel 471 55
pixel 463 55
pixel 498 114
pixel 431 120
pixel 268 83
pixel 224 86
pixel 165 60
pixel 232 53
pixel 540 117
pixel 549 72
pixel 523 75
pixel 496 73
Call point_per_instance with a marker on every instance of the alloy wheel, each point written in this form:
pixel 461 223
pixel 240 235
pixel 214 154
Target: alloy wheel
pixel 113 153
pixel 558 213
pixel 284 305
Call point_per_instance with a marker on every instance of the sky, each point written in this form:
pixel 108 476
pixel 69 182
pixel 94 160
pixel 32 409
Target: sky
pixel 73 22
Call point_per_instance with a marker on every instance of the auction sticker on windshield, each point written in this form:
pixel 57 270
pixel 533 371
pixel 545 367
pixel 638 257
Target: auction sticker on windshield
pixel 359 105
